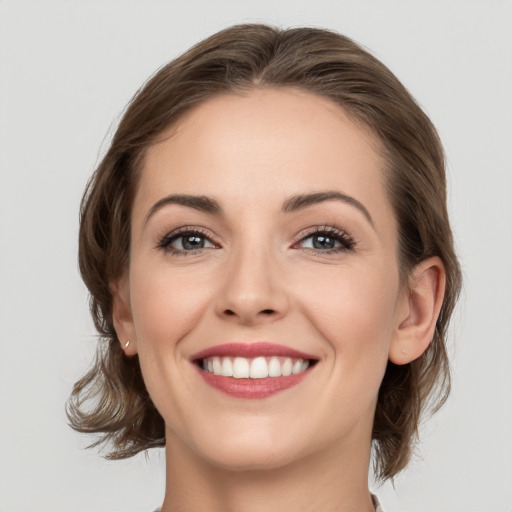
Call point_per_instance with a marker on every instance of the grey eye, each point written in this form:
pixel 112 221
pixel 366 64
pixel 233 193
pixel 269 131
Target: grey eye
pixel 320 241
pixel 190 242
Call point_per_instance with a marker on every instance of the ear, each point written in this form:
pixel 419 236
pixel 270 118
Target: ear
pixel 122 315
pixel 417 318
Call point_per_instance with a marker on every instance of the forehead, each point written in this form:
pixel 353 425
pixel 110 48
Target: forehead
pixel 263 145
pixel 287 115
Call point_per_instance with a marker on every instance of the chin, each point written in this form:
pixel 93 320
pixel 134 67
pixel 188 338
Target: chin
pixel 250 452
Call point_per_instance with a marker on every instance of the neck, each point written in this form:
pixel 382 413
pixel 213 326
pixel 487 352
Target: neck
pixel 333 481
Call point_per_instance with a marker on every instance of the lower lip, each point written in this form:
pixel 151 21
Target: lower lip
pixel 252 388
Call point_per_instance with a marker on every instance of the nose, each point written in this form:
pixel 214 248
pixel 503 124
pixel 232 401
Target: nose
pixel 253 289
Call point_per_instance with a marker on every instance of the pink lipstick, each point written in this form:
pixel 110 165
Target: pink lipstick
pixel 256 370
pixel 251 350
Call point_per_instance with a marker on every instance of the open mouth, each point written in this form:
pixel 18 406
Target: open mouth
pixel 260 367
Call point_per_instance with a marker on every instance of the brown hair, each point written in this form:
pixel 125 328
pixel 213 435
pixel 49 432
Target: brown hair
pixel 241 58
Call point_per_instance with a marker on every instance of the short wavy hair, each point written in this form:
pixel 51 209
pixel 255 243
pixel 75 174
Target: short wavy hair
pixel 111 399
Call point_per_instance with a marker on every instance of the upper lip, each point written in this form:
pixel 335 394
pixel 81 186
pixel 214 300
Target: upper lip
pixel 251 350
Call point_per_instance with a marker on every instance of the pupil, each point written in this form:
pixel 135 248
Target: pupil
pixel 193 242
pixel 323 242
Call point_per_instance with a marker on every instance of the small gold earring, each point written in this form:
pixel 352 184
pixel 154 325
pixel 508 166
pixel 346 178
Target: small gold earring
pixel 126 344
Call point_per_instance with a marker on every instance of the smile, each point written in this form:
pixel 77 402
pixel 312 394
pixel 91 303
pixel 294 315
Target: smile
pixel 255 370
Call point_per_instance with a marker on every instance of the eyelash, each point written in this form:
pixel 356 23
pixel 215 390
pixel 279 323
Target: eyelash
pixel 165 243
pixel 346 242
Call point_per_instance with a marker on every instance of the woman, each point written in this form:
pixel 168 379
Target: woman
pixel 271 266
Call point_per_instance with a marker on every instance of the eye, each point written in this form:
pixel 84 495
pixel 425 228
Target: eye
pixel 185 241
pixel 327 239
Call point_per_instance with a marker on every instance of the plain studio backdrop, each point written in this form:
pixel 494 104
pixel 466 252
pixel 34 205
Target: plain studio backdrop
pixel 67 70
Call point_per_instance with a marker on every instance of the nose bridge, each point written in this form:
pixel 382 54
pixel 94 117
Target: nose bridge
pixel 252 285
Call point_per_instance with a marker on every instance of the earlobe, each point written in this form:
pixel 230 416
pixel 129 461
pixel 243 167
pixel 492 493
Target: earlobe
pixel 122 315
pixel 415 329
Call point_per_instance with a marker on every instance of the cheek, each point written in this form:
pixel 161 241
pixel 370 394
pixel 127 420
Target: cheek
pixel 166 306
pixel 355 313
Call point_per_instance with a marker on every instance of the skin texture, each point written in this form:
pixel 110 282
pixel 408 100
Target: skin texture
pixel 259 278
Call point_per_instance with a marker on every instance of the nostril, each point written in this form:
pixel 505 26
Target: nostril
pixel 243 314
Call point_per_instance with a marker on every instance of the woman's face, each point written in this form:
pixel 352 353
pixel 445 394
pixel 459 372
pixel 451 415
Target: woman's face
pixel 263 220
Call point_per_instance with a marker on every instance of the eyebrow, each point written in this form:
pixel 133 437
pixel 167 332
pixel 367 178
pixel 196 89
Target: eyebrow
pixel 299 202
pixel 293 204
pixel 201 203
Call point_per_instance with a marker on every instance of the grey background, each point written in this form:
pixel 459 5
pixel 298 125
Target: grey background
pixel 67 69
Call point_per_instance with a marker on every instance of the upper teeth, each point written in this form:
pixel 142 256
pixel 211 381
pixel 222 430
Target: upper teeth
pixel 257 368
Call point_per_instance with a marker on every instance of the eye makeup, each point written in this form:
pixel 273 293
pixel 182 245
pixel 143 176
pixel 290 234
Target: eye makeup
pixel 192 240
pixel 327 240
pixel 189 240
